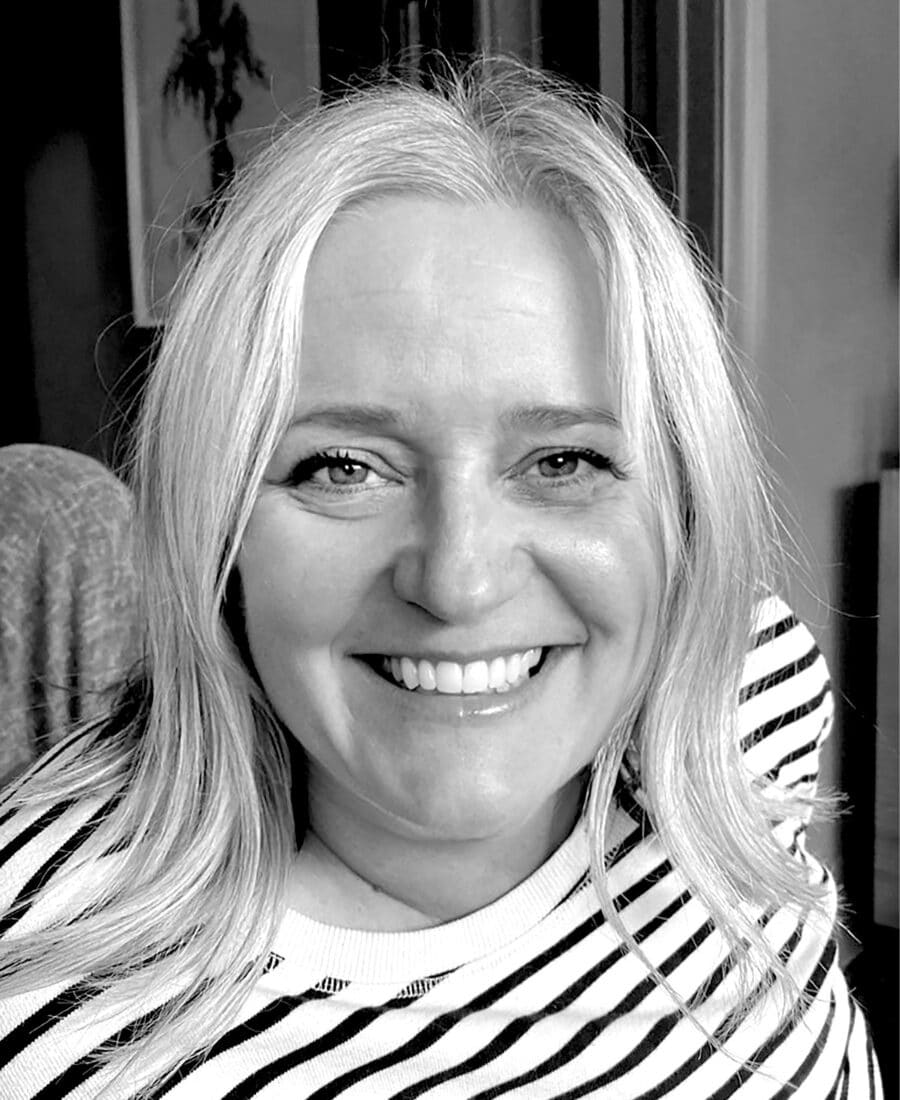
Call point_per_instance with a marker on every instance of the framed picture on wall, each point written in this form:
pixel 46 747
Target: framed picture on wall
pixel 205 82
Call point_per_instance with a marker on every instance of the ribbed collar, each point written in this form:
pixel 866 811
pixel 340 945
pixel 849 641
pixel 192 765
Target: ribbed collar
pixel 389 957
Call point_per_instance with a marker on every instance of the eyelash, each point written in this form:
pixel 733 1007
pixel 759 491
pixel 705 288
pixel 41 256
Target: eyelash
pixel 593 458
pixel 323 460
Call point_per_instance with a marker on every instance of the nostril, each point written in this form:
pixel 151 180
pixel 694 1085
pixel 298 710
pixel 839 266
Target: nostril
pixel 455 578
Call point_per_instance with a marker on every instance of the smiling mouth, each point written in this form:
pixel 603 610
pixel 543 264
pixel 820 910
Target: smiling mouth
pixel 494 677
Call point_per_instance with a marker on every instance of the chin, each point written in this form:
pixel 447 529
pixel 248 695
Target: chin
pixel 461 812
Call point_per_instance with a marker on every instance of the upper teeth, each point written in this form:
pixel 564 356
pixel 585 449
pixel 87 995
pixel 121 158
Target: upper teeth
pixel 451 678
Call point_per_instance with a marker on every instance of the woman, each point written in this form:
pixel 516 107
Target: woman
pixel 447 494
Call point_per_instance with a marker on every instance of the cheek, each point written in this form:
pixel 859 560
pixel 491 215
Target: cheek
pixel 609 570
pixel 611 576
pixel 298 588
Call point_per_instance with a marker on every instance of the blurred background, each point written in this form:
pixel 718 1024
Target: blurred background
pixel 770 126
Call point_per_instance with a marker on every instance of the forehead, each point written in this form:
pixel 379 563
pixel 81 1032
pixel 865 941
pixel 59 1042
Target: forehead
pixel 409 298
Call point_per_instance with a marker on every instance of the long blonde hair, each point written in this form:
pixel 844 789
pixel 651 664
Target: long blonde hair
pixel 196 826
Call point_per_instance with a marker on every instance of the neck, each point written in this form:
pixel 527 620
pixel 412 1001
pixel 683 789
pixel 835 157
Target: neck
pixel 357 871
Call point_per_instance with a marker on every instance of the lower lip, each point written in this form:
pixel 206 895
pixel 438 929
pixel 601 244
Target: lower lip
pixel 436 705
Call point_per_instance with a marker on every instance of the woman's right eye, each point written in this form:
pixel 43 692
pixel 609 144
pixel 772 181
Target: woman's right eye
pixel 333 472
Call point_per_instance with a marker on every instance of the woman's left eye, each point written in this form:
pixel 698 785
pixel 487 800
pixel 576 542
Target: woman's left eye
pixel 572 465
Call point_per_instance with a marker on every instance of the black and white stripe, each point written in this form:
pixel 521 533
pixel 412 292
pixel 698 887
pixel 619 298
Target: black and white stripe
pixel 561 1009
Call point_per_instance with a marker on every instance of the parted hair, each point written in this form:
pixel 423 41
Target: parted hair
pixel 188 780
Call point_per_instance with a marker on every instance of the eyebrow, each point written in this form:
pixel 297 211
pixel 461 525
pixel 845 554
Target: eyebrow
pixel 534 417
pixel 559 416
pixel 350 416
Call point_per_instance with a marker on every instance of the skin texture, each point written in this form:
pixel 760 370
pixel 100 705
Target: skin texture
pixel 445 527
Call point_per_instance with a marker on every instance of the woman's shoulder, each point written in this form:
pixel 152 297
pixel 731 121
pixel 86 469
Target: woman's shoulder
pixel 36 842
pixel 786 706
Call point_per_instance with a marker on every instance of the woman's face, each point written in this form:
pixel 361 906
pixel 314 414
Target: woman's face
pixel 450 575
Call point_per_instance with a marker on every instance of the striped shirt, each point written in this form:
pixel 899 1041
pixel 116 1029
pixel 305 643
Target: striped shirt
pixel 534 996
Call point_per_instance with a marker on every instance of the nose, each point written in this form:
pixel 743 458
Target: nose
pixel 466 557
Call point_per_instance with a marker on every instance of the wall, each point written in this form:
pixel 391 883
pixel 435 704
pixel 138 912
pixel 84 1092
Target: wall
pixel 78 344
pixel 810 227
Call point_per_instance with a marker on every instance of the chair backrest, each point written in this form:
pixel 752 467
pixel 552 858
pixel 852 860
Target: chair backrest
pixel 68 596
